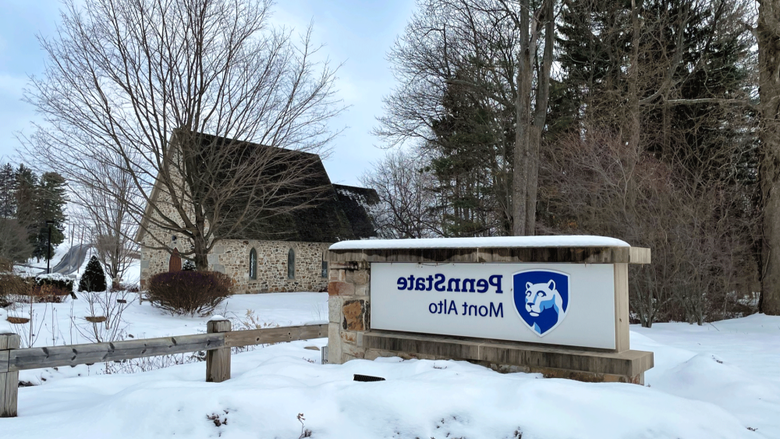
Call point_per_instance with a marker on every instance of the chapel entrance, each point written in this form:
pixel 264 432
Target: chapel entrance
pixel 174 264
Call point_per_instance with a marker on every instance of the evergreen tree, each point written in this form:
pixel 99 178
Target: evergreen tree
pixel 38 200
pixel 14 246
pixel 658 90
pixel 50 203
pixel 26 182
pixel 94 278
pixel 470 154
pixel 7 191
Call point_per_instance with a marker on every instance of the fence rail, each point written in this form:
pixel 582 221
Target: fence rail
pixel 216 342
pixel 72 355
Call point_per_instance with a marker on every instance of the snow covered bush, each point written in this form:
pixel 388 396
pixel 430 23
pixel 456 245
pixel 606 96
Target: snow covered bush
pixel 189 292
pixel 47 294
pixel 94 278
pixel 62 283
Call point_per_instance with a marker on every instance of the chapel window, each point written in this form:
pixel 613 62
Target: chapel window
pixel 253 264
pixel 291 264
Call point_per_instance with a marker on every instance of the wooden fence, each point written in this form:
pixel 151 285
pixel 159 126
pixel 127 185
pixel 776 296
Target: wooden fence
pixel 216 342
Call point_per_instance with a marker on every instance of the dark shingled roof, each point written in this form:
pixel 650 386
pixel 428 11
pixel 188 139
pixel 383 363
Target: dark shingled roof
pixel 341 214
pixel 355 202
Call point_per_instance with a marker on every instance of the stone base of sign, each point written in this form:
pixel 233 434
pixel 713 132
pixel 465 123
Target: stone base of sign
pixel 582 365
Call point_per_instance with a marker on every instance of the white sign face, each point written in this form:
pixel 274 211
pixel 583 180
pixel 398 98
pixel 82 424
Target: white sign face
pixel 559 304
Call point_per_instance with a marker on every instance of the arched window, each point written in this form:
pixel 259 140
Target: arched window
pixel 174 263
pixel 291 264
pixel 324 264
pixel 253 264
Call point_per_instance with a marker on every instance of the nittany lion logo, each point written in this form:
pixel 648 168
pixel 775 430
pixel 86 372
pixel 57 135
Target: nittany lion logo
pixel 541 298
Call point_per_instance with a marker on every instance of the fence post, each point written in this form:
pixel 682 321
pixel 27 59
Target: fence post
pixel 9 381
pixel 218 360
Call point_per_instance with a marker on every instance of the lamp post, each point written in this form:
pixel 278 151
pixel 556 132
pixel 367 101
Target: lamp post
pixel 48 253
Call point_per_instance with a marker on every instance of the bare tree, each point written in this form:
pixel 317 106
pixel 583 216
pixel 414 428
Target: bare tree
pixel 407 207
pixel 107 201
pixel 700 230
pixel 531 119
pixel 490 49
pixel 203 97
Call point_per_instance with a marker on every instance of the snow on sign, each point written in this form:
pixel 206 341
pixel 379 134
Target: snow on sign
pixel 560 304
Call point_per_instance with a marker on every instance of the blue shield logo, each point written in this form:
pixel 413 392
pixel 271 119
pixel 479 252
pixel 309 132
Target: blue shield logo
pixel 541 298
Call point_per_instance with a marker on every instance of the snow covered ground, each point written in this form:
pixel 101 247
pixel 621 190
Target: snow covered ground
pixel 715 381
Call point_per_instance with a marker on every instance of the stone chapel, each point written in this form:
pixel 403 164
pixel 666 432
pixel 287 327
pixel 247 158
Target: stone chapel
pixel 293 259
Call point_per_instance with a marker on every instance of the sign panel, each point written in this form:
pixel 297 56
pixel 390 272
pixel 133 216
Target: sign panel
pixel 560 304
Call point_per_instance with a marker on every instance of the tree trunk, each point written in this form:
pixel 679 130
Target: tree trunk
pixel 523 108
pixel 201 256
pixel 540 118
pixel 768 32
pixel 530 123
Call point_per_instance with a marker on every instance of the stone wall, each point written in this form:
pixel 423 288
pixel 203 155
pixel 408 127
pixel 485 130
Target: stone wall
pixel 154 258
pixel 348 310
pixel 232 257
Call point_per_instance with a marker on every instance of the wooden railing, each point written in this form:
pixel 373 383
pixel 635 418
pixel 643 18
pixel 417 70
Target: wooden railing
pixel 216 342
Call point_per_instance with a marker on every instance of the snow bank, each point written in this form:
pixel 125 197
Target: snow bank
pixel 425 399
pixel 715 381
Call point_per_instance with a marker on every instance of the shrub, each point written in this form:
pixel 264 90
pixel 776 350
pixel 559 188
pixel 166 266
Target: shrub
pixel 11 284
pixel 56 280
pixel 189 292
pixel 48 294
pixel 94 278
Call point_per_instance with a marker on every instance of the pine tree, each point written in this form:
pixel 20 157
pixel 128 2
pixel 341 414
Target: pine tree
pixel 50 203
pixel 26 214
pixel 35 201
pixel 7 191
pixel 469 157
pixel 94 278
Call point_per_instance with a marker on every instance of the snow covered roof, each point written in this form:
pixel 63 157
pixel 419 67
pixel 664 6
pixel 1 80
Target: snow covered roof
pixel 488 242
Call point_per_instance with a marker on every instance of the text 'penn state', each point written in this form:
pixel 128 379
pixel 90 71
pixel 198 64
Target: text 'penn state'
pixel 439 282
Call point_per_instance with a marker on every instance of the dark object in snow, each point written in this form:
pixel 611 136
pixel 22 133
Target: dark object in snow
pixel 367 378
pixel 94 278
pixel 95 319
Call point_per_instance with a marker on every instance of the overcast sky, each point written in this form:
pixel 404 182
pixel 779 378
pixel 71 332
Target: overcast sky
pixel 358 33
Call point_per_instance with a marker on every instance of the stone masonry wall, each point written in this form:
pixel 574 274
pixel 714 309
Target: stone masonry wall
pixel 232 258
pixel 155 260
pixel 348 310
